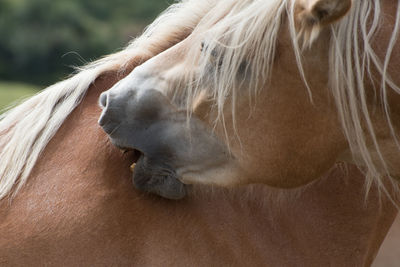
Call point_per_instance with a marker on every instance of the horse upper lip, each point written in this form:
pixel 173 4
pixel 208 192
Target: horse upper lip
pixel 134 153
pixel 125 150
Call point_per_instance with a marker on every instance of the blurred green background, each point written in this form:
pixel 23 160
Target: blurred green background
pixel 41 40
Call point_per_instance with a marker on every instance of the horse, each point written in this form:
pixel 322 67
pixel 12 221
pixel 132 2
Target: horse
pixel 66 191
pixel 179 108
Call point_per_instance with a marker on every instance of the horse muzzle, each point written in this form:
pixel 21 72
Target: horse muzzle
pixel 143 132
pixel 170 143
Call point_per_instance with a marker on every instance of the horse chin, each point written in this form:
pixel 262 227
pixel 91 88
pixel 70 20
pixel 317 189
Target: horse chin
pixel 151 175
pixel 157 178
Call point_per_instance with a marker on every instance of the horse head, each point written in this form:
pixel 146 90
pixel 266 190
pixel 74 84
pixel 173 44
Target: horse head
pixel 285 65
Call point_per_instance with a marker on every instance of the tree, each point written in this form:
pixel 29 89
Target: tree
pixel 41 39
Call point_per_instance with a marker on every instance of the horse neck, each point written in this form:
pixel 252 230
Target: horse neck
pixel 83 182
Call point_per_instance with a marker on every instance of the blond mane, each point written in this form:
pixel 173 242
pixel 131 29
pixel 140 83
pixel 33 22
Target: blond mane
pixel 241 36
pixel 25 130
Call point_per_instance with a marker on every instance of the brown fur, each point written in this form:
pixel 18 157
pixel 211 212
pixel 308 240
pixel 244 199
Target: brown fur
pixel 79 208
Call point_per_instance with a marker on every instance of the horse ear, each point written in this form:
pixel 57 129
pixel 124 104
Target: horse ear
pixel 312 15
pixel 323 12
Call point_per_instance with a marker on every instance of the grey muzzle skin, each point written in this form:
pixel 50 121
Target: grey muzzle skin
pixel 171 145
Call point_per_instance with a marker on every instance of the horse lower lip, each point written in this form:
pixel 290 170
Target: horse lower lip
pixel 157 178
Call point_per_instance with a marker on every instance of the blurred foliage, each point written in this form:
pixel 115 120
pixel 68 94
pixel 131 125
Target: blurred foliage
pixel 41 39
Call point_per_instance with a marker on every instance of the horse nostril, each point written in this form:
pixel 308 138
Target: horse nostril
pixel 103 100
pixel 103 103
pixel 102 120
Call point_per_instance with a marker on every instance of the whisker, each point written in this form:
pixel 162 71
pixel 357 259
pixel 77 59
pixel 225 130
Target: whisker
pixel 116 128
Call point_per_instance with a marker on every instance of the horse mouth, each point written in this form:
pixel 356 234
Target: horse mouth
pixel 132 154
pixel 151 176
